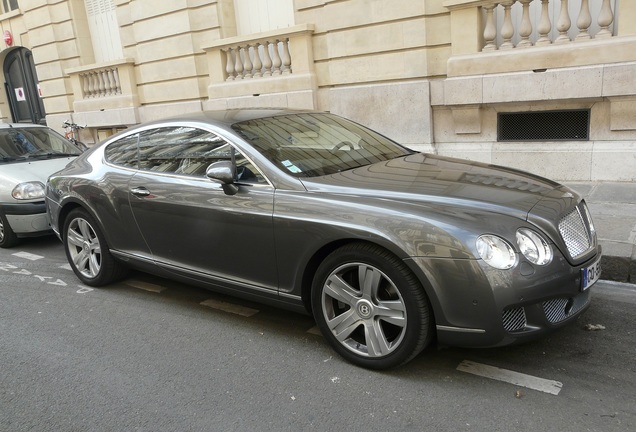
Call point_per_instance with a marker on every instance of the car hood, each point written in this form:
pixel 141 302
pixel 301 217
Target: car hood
pixel 444 181
pixel 36 170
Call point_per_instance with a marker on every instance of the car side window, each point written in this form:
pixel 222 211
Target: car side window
pixel 123 152
pixel 189 151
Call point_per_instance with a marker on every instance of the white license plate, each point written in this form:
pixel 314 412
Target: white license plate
pixel 590 274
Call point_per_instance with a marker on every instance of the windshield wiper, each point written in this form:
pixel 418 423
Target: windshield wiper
pixel 49 155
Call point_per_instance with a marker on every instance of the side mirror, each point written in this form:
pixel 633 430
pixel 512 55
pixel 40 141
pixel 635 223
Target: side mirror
pixel 223 172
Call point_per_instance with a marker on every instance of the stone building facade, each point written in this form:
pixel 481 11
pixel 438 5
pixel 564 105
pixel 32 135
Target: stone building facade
pixel 548 86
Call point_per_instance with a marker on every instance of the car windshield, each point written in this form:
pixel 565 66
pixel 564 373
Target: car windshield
pixel 315 144
pixel 26 143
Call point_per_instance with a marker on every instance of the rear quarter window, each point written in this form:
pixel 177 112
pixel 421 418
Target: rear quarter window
pixel 123 152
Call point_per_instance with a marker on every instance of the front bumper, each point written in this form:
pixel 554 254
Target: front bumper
pixel 478 306
pixel 27 219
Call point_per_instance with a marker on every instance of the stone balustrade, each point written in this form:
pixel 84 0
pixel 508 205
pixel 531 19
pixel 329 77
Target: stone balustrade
pixel 504 36
pixel 102 89
pixel 278 62
pixel 100 82
pixel 262 55
pixel 524 23
pixel 258 59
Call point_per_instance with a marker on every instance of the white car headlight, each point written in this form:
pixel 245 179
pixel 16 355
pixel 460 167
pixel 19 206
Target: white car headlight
pixel 534 247
pixel 28 190
pixel 496 251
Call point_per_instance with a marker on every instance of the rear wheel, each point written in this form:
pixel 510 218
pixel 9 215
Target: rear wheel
pixel 87 250
pixel 7 236
pixel 370 307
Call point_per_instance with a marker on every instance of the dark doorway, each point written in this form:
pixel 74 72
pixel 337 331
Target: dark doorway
pixel 22 87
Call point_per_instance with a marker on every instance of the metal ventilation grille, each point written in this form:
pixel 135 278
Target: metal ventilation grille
pixel 557 310
pixel 574 233
pixel 570 125
pixel 514 319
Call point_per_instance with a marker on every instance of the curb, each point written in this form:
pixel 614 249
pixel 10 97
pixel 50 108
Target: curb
pixel 618 269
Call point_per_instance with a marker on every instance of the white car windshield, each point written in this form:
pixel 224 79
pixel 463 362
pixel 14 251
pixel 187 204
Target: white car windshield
pixel 310 144
pixel 19 144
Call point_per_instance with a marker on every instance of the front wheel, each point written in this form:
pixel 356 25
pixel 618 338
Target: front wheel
pixel 370 307
pixel 7 236
pixel 87 250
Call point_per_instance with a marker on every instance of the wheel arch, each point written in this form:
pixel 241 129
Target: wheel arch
pixel 314 262
pixel 71 205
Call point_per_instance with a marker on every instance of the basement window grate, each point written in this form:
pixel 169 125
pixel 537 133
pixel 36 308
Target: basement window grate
pixel 566 125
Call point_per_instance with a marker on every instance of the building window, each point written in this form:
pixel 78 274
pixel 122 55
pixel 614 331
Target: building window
pixel 104 29
pixel 9 5
pixel 564 125
pixel 256 16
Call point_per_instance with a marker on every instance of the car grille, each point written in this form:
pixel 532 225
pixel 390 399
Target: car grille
pixel 577 231
pixel 557 310
pixel 514 319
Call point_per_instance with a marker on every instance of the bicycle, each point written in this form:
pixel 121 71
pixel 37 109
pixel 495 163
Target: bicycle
pixel 71 130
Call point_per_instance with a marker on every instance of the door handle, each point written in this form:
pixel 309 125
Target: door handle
pixel 140 191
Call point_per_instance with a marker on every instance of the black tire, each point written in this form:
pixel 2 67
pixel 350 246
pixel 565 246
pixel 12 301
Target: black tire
pixel 87 250
pixel 7 236
pixel 370 307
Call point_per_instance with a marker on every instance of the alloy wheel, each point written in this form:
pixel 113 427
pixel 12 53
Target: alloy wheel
pixel 84 248
pixel 364 310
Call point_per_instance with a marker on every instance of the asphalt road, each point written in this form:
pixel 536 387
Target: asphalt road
pixel 147 354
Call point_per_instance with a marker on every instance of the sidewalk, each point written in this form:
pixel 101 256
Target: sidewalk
pixel 613 208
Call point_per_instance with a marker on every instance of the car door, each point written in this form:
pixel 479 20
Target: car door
pixel 191 226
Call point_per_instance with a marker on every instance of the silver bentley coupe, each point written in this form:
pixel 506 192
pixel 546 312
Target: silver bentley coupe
pixel 388 249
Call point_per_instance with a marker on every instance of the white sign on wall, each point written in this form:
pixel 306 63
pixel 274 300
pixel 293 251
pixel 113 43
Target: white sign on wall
pixel 19 94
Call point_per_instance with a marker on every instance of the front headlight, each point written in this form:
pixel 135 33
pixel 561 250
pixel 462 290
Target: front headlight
pixel 534 247
pixel 496 251
pixel 28 191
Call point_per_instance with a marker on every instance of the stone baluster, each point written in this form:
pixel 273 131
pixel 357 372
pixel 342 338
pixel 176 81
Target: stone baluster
pixel 490 30
pixel 525 30
pixel 247 62
pixel 605 19
pixel 238 64
pixel 583 21
pixel 545 25
pixel 258 64
pixel 112 86
pixel 276 60
pixel 286 57
pixel 99 90
pixel 267 60
pixel 116 79
pixel 101 83
pixel 229 64
pixel 507 30
pixel 107 87
pixel 98 85
pixel 91 84
pixel 85 88
pixel 564 23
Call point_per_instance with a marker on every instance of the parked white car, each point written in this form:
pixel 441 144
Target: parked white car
pixel 29 153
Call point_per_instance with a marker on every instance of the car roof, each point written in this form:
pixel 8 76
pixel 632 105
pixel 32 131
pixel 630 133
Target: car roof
pixel 19 125
pixel 229 117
